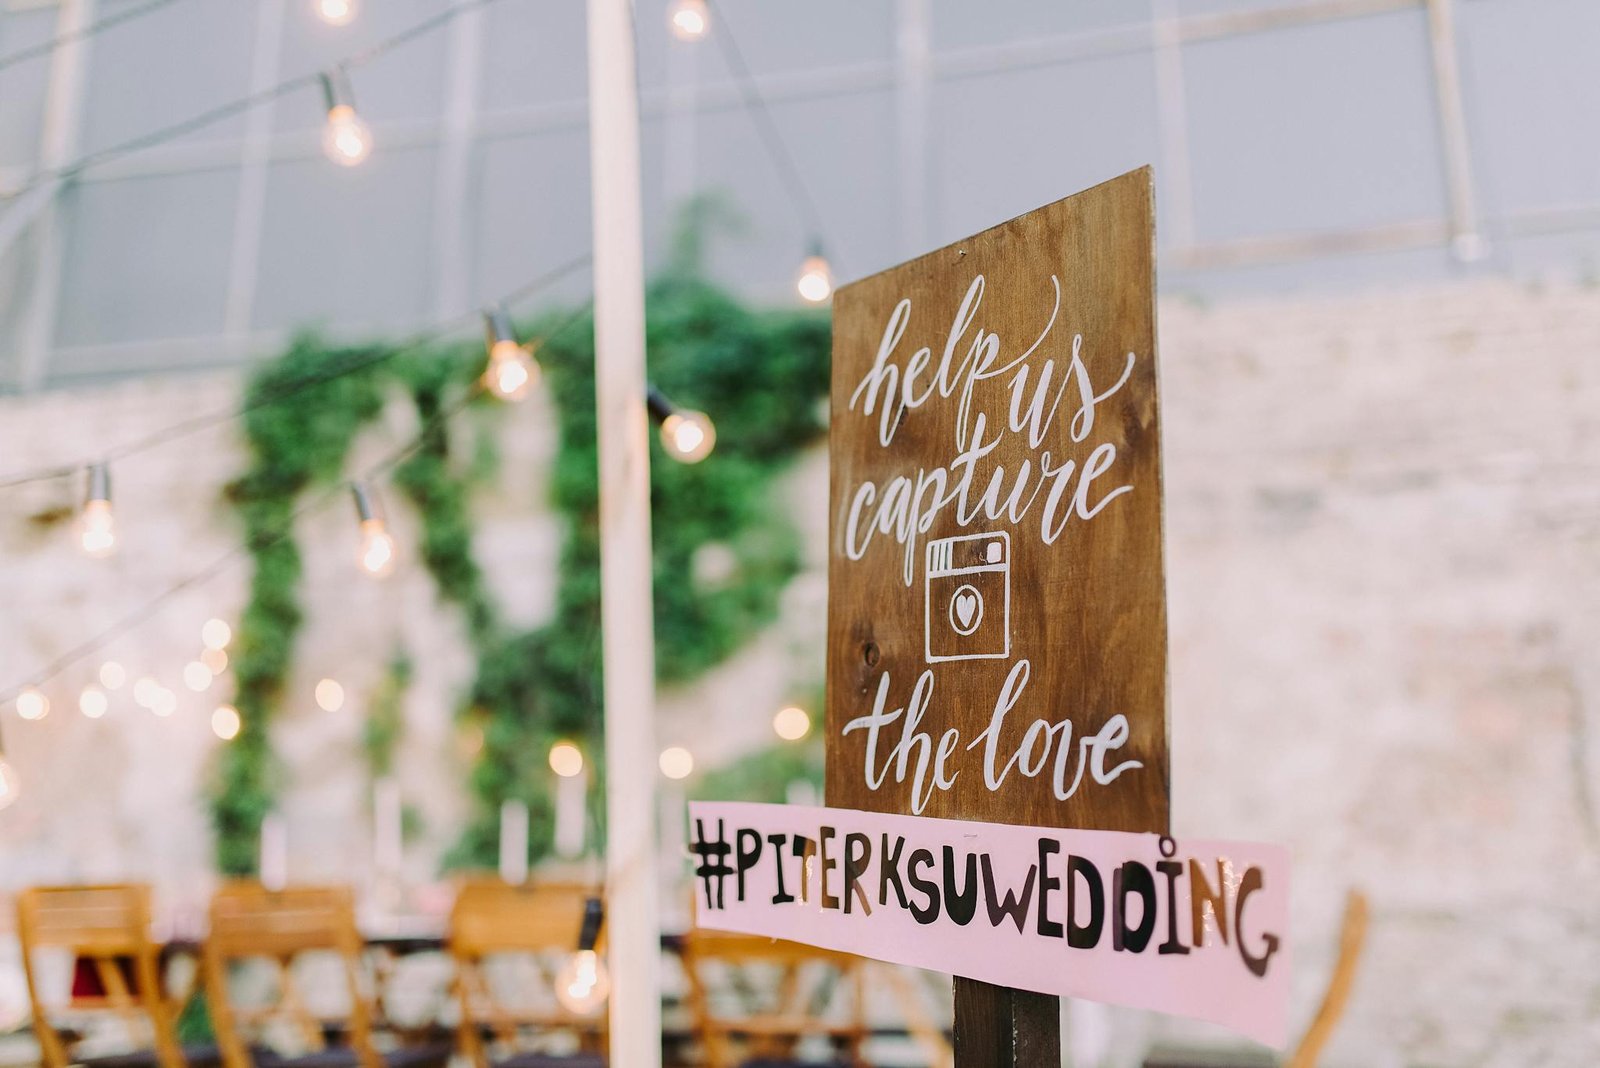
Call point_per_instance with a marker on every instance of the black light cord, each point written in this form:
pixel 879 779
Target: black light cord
pixel 234 107
pixel 327 496
pixel 352 365
pixel 44 48
pixel 782 159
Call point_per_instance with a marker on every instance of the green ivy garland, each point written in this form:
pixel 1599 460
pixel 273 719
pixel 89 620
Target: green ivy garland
pixel 763 376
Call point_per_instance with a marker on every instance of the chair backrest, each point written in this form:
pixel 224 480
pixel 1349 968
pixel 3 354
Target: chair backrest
pixel 492 918
pixel 105 930
pixel 777 1009
pixel 251 922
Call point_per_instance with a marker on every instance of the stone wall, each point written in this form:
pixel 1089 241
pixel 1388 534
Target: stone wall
pixel 1384 541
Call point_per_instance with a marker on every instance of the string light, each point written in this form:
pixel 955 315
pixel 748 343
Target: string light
pixel 689 19
pixel 92 702
pixel 676 762
pixel 97 531
pixel 583 984
pixel 376 554
pixel 197 676
pixel 112 675
pixel 815 281
pixel 10 785
pixel 336 12
pixel 345 138
pixel 216 634
pixel 33 704
pixel 225 722
pixel 330 695
pixel 688 436
pixel 215 660
pixel 145 691
pixel 791 724
pixel 566 759
pixel 512 370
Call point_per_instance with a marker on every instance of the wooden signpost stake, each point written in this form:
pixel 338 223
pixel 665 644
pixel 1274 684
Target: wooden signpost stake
pixel 997 614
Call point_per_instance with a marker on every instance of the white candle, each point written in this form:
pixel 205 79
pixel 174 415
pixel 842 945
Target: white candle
pixel 274 851
pixel 514 842
pixel 386 820
pixel 571 813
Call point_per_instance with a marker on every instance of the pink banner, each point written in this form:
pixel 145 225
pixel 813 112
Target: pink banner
pixel 1194 928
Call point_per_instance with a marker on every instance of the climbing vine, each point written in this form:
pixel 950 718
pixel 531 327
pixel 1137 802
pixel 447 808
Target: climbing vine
pixel 724 548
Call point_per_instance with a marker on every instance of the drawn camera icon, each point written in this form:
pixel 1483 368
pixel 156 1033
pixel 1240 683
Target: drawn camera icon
pixel 967 600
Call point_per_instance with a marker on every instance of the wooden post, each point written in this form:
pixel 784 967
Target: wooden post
pixel 633 930
pixel 997 1027
pixel 996 602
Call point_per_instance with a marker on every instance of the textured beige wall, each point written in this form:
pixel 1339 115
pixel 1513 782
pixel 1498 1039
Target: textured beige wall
pixel 1384 541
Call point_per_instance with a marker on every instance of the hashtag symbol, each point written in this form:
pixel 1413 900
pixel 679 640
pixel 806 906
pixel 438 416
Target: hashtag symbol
pixel 713 868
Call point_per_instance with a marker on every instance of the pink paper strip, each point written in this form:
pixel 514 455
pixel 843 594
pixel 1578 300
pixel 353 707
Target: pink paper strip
pixel 1011 905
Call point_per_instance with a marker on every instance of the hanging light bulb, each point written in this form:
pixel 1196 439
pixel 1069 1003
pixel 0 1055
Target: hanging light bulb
pixel 346 139
pixel 512 370
pixel 815 281
pixel 10 785
pixel 566 759
pixel 336 12
pixel 92 702
pixel 225 722
pixel 197 676
pixel 33 704
pixel 583 984
pixel 791 724
pixel 216 634
pixel 688 436
pixel 676 762
pixel 112 675
pixel 689 19
pixel 377 552
pixel 97 530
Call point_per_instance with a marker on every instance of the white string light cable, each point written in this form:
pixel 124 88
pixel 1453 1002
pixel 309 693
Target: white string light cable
pixel 44 48
pixel 336 72
pixel 691 20
pixel 357 361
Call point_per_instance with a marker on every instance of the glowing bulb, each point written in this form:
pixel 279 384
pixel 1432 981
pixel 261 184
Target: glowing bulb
pixel 10 785
pixel 336 12
pixel 816 279
pixel 216 634
pixel 98 533
pixel 32 704
pixel 566 759
pixel 330 695
pixel 92 702
pixel 163 702
pixel 511 371
pixel 112 675
pixel 377 549
pixel 346 139
pixel 676 762
pixel 214 660
pixel 145 691
pixel 687 436
pixel 689 19
pixel 197 676
pixel 791 724
pixel 582 984
pixel 225 722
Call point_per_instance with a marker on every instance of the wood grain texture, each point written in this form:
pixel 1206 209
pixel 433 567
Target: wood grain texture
pixel 1087 607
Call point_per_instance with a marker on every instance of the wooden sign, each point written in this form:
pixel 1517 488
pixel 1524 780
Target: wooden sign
pixel 997 616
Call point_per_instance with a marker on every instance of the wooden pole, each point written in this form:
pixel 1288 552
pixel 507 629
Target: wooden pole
pixel 998 1027
pixel 633 931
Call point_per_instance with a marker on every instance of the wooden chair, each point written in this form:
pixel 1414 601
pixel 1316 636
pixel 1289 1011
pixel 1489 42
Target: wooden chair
pixel 781 993
pixel 104 930
pixel 280 927
pixel 540 923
